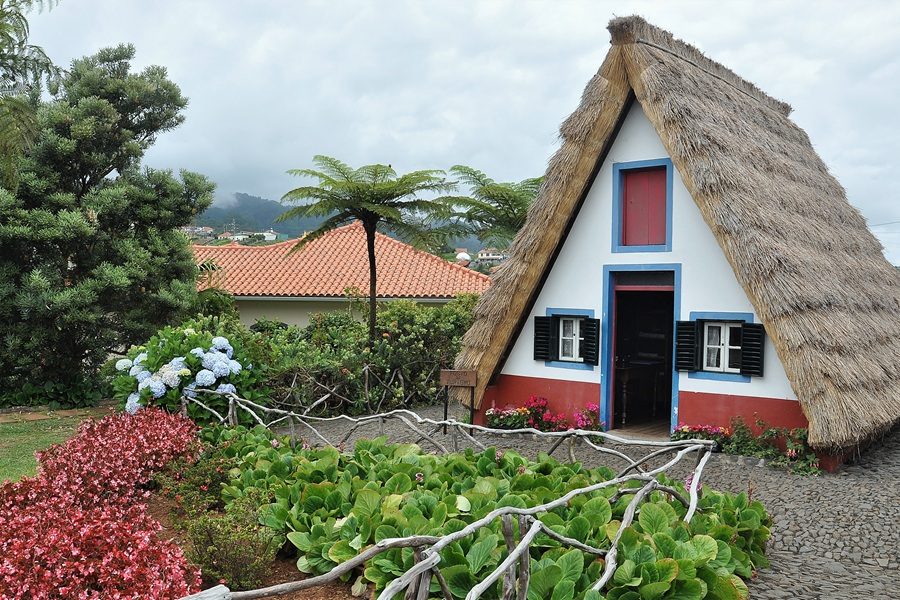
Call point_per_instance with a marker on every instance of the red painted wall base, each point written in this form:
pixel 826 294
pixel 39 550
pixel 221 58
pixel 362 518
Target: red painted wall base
pixel 701 408
pixel 564 397
pixel 694 408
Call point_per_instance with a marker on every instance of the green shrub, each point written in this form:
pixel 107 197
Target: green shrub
pixel 76 393
pixel 214 302
pixel 195 485
pixel 232 547
pixel 402 368
pixel 330 505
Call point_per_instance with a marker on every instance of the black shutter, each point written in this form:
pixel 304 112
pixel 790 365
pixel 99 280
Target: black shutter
pixel 753 345
pixel 544 348
pixel 590 331
pixel 687 345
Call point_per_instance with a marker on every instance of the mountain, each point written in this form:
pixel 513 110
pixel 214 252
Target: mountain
pixel 252 213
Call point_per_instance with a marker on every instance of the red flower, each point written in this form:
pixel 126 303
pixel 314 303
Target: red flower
pixel 79 529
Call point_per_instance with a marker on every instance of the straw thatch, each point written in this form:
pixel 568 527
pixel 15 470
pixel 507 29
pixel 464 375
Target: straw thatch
pixel 804 256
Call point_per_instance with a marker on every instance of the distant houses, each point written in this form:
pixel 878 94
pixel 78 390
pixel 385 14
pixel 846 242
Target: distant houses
pixel 198 233
pixel 491 255
pixel 271 282
pixel 242 236
pixel 484 258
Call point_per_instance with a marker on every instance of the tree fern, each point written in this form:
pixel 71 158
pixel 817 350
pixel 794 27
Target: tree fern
pixel 376 196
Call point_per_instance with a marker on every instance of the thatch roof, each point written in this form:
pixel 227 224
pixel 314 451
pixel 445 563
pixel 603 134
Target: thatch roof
pixel 814 273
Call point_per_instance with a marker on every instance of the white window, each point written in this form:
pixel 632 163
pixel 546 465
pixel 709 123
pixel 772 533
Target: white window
pixel 722 347
pixel 570 339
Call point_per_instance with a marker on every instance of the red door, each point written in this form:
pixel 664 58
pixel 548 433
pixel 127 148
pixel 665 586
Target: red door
pixel 644 207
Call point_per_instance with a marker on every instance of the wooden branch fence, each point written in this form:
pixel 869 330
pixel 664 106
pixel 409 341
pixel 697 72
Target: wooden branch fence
pixel 307 392
pixel 515 569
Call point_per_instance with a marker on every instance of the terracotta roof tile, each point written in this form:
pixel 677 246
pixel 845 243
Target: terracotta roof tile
pixel 326 267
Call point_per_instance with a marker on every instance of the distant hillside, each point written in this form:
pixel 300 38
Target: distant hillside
pixel 252 213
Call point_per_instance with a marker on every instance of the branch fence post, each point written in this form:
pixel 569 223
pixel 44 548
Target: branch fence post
pixel 524 563
pixel 509 578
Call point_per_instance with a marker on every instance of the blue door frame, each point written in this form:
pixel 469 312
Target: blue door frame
pixel 607 325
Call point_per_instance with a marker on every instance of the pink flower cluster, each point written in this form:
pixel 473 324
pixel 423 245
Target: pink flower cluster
pixel 77 530
pixel 589 418
pixel 703 429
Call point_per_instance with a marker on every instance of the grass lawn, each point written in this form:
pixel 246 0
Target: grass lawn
pixel 21 434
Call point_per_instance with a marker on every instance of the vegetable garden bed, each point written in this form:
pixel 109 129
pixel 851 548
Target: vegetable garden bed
pixel 395 520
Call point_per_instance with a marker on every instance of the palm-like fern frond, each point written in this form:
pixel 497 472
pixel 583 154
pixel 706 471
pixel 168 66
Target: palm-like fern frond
pixel 494 211
pixel 22 67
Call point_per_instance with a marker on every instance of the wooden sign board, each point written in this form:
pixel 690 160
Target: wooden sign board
pixel 454 378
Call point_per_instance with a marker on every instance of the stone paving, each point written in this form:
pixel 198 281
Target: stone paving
pixel 834 536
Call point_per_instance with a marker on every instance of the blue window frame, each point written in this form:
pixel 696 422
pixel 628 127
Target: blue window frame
pixel 619 170
pixel 569 312
pixel 726 317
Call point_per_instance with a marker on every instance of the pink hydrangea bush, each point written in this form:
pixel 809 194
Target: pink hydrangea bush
pixel 78 529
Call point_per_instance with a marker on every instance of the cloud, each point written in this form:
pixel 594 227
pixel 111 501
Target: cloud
pixel 430 85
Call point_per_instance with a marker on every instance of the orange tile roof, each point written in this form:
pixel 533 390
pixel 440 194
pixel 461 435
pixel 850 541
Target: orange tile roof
pixel 326 267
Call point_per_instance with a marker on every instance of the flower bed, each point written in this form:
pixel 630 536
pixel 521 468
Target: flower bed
pixel 778 446
pixel 536 414
pixel 78 529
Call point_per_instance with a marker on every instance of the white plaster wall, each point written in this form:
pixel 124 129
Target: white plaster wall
pixel 707 281
pixel 293 311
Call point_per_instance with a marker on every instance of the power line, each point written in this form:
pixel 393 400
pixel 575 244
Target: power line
pixel 885 223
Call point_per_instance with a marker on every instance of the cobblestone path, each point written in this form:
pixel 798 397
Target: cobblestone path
pixel 834 536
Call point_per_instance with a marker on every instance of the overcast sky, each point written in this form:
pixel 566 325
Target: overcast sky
pixel 487 83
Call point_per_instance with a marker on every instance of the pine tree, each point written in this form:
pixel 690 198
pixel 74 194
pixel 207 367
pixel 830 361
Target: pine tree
pixel 91 258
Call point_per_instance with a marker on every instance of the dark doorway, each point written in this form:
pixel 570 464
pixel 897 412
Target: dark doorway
pixel 642 355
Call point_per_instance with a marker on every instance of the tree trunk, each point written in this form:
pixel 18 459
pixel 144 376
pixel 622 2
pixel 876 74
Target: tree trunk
pixel 373 277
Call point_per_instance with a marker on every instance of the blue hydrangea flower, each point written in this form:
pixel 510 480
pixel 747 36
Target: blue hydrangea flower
pixel 221 368
pixel 226 388
pixel 135 369
pixel 140 358
pixel 213 357
pixel 189 390
pixel 220 343
pixel 133 404
pixel 142 377
pixel 177 363
pixel 198 352
pixel 170 378
pixel 157 387
pixel 205 378
pixel 229 351
pixel 235 367
pixel 123 364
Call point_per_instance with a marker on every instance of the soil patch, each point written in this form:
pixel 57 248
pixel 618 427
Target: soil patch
pixel 284 569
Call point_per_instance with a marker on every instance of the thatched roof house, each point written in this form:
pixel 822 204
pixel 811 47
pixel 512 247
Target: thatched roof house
pixel 813 273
